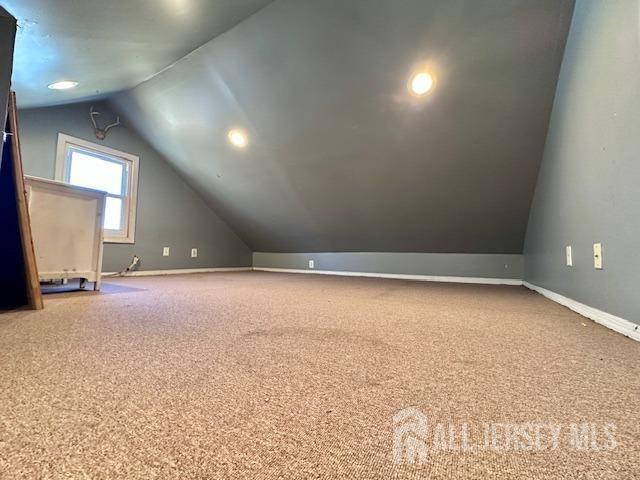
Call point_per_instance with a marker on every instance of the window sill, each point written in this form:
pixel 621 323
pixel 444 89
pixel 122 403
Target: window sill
pixel 119 240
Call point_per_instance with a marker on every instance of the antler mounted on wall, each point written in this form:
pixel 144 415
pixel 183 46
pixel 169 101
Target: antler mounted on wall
pixel 101 133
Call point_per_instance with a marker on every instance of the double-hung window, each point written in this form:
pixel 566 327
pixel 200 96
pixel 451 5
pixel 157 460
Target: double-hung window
pixel 89 165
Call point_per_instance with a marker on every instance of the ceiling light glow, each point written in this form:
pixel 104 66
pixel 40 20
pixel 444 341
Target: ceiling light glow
pixel 421 83
pixel 238 138
pixel 63 85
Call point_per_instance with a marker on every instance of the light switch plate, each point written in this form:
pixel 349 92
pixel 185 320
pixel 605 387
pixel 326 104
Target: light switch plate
pixel 569 251
pixel 194 252
pixel 165 252
pixel 597 256
pixel 312 264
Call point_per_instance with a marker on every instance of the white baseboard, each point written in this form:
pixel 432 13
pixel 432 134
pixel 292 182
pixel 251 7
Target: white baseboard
pixel 400 276
pixel 617 324
pixel 177 271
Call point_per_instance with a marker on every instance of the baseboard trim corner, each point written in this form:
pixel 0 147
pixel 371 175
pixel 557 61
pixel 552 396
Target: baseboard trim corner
pixel 398 276
pixel 617 324
pixel 177 271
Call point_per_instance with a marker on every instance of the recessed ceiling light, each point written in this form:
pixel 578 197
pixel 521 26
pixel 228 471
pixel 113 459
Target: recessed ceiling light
pixel 63 85
pixel 421 83
pixel 238 138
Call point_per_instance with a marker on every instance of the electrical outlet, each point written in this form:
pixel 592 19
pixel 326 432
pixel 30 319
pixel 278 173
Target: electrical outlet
pixel 569 252
pixel 165 252
pixel 597 256
pixel 312 264
pixel 194 252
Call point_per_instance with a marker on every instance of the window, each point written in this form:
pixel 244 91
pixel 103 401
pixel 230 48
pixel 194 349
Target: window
pixel 89 165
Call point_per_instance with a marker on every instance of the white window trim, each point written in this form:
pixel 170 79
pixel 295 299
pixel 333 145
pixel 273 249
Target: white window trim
pixel 65 140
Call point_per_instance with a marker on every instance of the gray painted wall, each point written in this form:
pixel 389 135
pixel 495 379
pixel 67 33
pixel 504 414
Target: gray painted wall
pixel 169 212
pixel 7 37
pixel 589 184
pixel 439 264
pixel 342 157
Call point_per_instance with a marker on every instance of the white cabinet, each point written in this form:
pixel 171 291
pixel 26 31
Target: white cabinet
pixel 66 222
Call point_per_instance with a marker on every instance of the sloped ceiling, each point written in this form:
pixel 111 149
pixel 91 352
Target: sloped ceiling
pixel 341 156
pixel 109 45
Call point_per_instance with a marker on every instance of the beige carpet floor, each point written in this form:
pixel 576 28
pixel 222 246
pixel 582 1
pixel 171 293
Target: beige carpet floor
pixel 265 376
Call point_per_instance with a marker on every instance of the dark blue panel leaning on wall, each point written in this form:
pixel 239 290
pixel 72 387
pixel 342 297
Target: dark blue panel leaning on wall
pixel 12 286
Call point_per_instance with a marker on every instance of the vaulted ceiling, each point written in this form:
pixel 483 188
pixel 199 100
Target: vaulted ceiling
pixel 109 45
pixel 341 157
